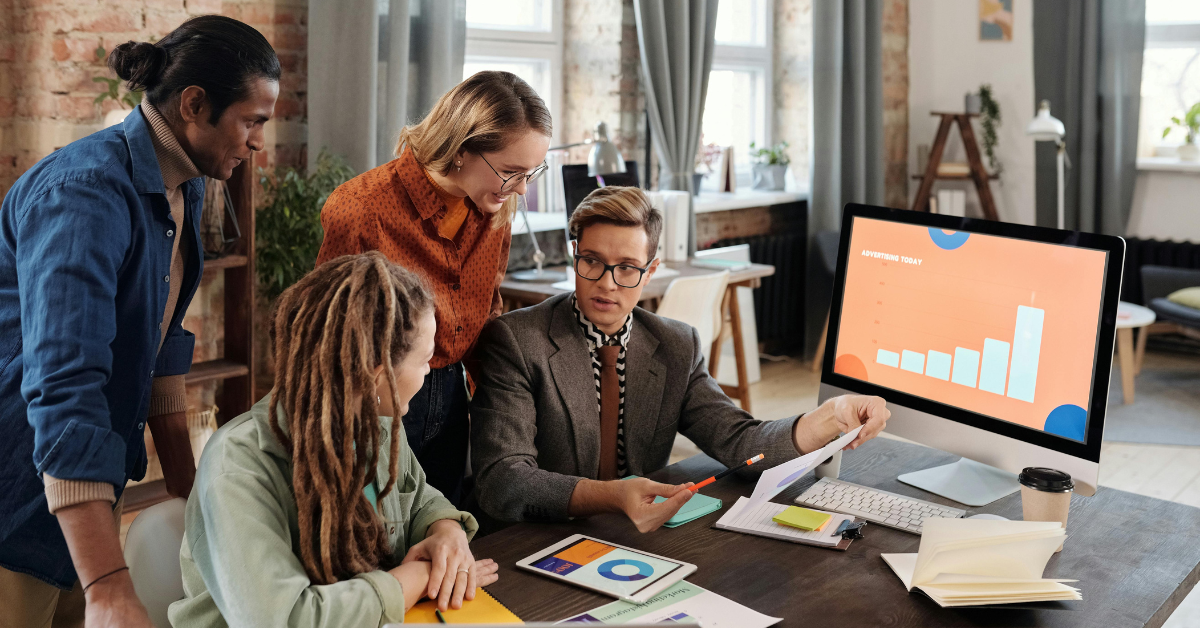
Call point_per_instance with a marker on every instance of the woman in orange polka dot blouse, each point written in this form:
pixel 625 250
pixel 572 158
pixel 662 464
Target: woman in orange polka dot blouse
pixel 443 209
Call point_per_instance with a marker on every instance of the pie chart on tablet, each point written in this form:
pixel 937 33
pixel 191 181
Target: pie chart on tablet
pixel 626 570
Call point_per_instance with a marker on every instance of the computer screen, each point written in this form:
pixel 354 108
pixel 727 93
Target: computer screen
pixel 577 184
pixel 1003 327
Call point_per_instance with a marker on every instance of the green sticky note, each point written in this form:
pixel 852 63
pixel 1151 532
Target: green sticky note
pixel 802 518
pixel 696 507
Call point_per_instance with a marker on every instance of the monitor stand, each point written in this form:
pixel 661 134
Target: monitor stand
pixel 966 482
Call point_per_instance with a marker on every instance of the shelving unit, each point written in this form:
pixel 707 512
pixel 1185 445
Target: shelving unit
pixel 978 174
pixel 236 369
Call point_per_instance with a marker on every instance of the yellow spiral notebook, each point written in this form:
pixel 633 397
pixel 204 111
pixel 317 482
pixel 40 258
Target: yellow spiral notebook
pixel 484 609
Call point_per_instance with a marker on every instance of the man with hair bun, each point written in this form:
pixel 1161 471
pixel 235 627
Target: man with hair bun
pixel 587 388
pixel 99 257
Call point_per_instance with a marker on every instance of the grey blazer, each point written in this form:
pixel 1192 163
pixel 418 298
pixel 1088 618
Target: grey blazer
pixel 535 425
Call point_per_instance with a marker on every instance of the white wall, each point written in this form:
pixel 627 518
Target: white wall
pixel 947 60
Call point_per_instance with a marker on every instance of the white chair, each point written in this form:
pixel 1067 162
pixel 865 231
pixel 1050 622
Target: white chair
pixel 697 301
pixel 152 553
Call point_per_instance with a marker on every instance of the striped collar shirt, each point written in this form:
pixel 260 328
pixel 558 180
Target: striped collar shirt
pixel 597 338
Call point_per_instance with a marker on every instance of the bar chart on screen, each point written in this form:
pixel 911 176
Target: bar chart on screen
pixel 984 323
pixel 968 367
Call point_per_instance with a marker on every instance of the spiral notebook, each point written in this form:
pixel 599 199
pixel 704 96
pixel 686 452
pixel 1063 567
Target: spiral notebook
pixel 484 609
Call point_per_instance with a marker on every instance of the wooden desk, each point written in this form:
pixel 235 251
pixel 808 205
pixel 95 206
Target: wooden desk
pixel 1136 557
pixel 523 293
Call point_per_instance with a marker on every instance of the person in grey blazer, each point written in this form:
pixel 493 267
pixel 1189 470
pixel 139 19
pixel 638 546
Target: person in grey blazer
pixel 538 447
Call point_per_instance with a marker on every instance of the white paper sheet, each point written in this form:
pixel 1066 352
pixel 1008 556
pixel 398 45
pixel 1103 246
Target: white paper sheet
pixel 774 480
pixel 684 603
pixel 757 521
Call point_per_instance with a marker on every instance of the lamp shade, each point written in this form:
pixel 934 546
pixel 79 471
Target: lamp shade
pixel 1045 127
pixel 604 158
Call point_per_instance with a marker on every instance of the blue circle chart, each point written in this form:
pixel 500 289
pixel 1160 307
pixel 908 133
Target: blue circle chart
pixel 644 570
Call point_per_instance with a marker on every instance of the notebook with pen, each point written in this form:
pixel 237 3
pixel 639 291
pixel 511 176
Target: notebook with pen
pixel 758 521
pixel 484 609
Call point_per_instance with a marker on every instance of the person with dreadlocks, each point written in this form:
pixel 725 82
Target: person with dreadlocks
pixel 311 508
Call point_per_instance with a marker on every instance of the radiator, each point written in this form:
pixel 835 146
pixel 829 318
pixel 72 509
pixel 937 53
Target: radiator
pixel 1140 253
pixel 779 302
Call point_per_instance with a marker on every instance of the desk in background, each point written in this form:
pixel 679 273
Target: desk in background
pixel 519 294
pixel 1136 557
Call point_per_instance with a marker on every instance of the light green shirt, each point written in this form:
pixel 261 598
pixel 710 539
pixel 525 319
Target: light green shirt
pixel 241 556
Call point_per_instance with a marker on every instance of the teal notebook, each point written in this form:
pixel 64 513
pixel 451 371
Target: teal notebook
pixel 698 506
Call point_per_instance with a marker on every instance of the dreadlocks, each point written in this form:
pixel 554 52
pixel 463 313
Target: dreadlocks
pixel 330 331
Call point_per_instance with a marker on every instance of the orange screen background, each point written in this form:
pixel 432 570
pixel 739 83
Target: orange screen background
pixel 956 298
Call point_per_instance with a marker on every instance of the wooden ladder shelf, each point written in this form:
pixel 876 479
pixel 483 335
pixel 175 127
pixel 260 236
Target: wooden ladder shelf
pixel 978 174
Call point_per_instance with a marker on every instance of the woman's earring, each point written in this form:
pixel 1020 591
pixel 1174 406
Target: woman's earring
pixel 379 401
pixel 458 166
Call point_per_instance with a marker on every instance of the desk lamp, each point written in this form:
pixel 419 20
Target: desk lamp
pixel 603 158
pixel 1046 128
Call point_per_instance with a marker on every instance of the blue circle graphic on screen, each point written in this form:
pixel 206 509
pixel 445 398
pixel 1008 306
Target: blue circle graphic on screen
pixel 948 241
pixel 1068 420
pixel 643 570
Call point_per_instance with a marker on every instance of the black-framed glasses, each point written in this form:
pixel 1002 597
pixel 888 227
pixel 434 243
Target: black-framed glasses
pixel 509 184
pixel 625 275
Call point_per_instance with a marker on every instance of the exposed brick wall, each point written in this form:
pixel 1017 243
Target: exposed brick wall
pixel 895 103
pixel 48 59
pixel 793 55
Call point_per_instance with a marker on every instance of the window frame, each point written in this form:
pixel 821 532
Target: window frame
pixel 759 59
pixel 521 45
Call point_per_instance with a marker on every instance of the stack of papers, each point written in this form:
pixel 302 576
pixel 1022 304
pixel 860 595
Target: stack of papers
pixel 744 517
pixel 971 562
pixel 684 603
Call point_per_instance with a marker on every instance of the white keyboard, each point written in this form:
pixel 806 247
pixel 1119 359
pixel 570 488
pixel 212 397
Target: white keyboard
pixel 878 507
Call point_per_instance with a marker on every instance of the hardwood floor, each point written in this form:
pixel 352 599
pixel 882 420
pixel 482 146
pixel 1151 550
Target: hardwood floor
pixel 1167 472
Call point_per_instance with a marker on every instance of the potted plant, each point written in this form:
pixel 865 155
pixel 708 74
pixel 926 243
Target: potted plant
pixel 1191 125
pixel 770 166
pixel 288 223
pixel 990 121
pixel 125 101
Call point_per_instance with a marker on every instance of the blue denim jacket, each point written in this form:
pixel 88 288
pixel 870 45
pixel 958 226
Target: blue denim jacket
pixel 85 263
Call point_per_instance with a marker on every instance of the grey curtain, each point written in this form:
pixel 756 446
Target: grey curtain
pixel 1087 61
pixel 847 108
pixel 847 125
pixel 676 42
pixel 376 65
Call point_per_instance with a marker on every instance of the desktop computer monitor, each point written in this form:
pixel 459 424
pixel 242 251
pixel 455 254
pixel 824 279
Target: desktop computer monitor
pixel 989 340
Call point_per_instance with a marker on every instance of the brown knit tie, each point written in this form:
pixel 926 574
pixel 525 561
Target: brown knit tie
pixel 610 405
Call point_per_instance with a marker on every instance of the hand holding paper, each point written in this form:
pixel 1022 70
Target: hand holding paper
pixel 774 480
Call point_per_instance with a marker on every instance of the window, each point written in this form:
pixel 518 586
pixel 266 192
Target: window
pixel 1170 70
pixel 519 36
pixel 737 107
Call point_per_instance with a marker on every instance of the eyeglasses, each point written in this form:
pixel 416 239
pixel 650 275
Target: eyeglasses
pixel 625 275
pixel 509 184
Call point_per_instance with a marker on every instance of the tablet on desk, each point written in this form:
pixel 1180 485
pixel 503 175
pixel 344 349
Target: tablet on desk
pixel 607 568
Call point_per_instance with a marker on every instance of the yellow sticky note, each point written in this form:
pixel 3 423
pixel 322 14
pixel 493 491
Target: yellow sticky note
pixel 802 518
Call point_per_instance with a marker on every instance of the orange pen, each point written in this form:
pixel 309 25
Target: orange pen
pixel 724 473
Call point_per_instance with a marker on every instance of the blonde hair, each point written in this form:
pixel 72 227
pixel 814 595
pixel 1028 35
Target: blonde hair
pixel 480 115
pixel 621 206
pixel 331 330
